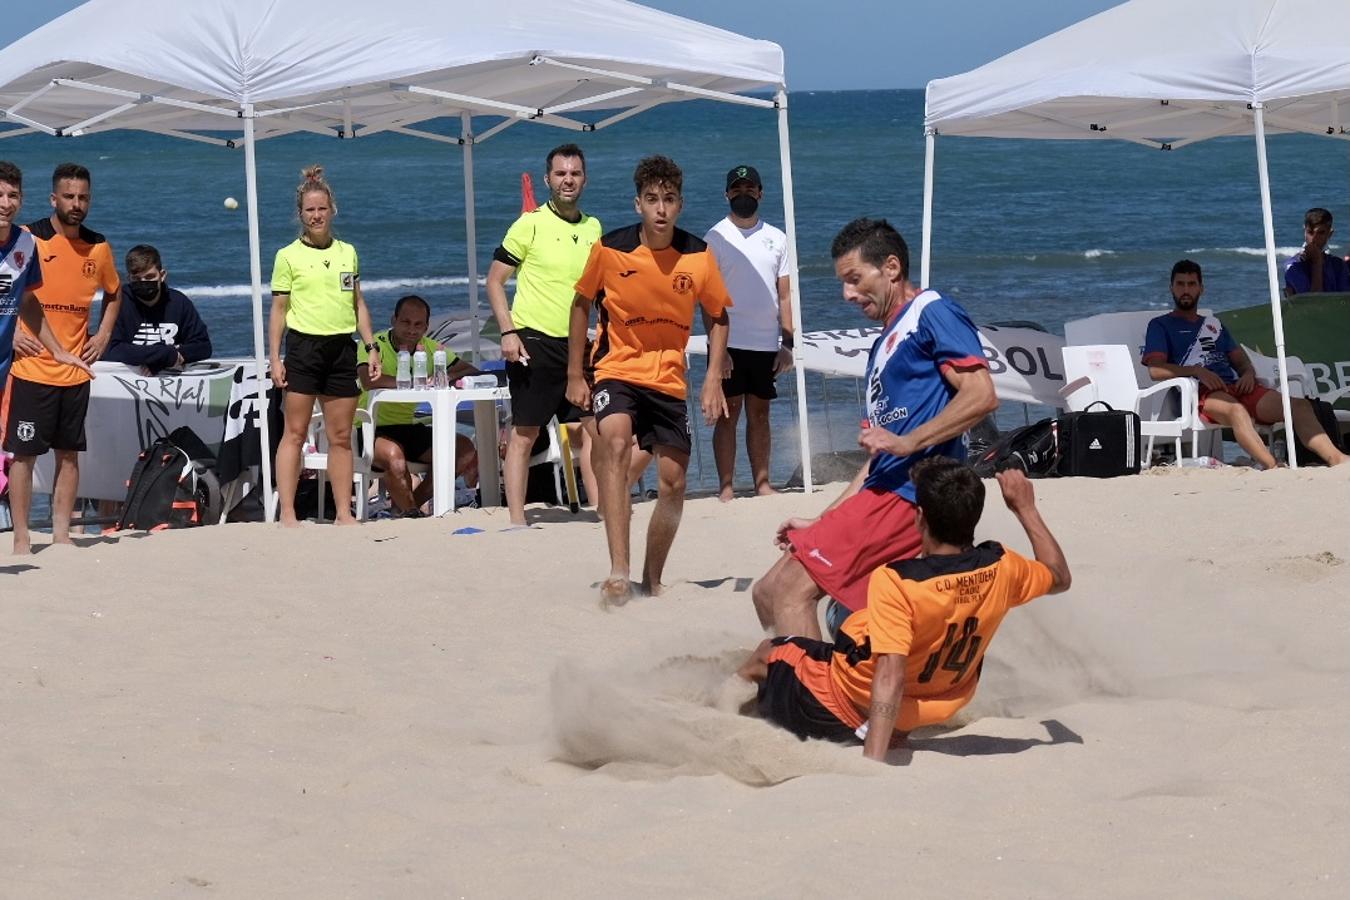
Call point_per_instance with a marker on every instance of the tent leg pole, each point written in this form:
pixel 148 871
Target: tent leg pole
pixel 1272 275
pixel 926 253
pixel 794 283
pixel 255 273
pixel 471 232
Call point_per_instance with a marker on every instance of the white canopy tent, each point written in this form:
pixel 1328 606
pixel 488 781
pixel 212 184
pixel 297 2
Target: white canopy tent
pixel 1165 74
pixel 239 72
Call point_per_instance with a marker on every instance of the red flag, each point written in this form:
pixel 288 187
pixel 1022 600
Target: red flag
pixel 527 201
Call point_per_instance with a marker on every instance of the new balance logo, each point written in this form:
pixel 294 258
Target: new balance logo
pixel 629 272
pixel 1095 445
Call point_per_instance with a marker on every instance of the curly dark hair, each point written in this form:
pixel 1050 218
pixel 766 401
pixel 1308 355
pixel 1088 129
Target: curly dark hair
pixel 656 171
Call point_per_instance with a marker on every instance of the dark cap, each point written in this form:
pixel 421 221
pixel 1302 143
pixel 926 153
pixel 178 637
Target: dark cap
pixel 743 173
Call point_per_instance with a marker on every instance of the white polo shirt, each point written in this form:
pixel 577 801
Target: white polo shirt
pixel 751 261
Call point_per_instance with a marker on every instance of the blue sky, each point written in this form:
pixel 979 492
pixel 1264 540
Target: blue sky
pixel 830 44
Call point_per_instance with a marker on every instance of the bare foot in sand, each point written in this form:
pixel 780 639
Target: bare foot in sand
pixel 288 522
pixel 22 548
pixel 615 591
pixel 764 490
pixel 347 520
pixel 726 494
pixel 62 539
pixel 649 591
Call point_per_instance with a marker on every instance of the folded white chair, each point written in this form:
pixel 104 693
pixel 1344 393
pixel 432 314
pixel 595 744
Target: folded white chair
pixel 316 459
pixel 1106 372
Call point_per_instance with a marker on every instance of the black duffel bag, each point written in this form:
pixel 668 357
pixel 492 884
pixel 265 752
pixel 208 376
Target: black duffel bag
pixel 1099 443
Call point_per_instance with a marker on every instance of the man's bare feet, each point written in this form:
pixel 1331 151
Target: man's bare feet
pixel 615 591
pixel 288 522
pixel 22 548
pixel 764 490
pixel 346 520
pixel 649 591
pixel 726 494
pixel 62 539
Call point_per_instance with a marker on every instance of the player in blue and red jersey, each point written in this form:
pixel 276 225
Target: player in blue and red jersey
pixel 927 383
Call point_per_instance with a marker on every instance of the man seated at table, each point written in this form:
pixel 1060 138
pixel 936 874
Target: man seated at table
pixel 157 327
pixel 399 437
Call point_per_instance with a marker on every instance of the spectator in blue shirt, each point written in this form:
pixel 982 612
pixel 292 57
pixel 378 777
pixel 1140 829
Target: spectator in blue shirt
pixel 1313 270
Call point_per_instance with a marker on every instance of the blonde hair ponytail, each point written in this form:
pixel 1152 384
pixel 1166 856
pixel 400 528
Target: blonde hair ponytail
pixel 313 180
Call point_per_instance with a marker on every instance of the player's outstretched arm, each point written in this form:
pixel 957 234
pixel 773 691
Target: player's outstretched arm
pixel 578 392
pixel 1021 499
pixel 888 685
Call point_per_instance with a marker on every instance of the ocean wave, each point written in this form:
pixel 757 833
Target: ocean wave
pixel 375 285
pixel 1246 251
pixel 1096 253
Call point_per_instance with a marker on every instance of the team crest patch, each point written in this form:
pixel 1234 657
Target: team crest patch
pixel 600 401
pixel 682 283
pixel 348 281
pixel 90 268
pixel 18 259
pixel 26 431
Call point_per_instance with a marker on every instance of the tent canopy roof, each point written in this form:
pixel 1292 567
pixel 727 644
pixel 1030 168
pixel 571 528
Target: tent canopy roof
pixel 353 64
pixel 1174 71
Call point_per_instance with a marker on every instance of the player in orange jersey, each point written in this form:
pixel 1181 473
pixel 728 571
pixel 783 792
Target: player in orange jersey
pixel 912 655
pixel 646 280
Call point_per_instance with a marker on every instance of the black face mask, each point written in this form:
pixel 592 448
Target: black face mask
pixel 743 206
pixel 144 291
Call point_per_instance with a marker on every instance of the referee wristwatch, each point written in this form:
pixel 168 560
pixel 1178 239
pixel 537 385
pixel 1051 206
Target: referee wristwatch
pixel 370 348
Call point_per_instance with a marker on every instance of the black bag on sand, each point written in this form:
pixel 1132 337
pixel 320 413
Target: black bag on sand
pixel 1032 448
pixel 169 488
pixel 1326 417
pixel 1099 443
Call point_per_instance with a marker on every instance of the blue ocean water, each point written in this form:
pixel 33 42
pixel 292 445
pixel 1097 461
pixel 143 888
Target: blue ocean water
pixel 1034 230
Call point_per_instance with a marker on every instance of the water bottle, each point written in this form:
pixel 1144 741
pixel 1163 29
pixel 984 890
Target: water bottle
pixel 404 378
pixel 441 376
pixel 419 367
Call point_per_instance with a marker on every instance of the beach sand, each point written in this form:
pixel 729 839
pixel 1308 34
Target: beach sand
pixel 396 711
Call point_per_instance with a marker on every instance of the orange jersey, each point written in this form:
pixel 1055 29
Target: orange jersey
pixel 73 272
pixel 646 300
pixel 940 612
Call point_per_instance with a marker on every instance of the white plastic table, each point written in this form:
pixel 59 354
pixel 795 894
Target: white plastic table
pixel 444 402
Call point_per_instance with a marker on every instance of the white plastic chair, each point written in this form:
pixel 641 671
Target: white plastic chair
pixel 1106 372
pixel 314 457
pixel 552 455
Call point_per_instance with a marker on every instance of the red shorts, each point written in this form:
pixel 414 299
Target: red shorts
pixel 846 544
pixel 1248 401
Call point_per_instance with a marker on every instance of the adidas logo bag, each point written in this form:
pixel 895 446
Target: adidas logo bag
pixel 1099 443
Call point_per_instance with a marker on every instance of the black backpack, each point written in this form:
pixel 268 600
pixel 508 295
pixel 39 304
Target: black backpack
pixel 1326 417
pixel 1032 448
pixel 171 487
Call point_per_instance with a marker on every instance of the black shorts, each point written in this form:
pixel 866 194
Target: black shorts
pixel 414 439
pixel 788 702
pixel 45 417
pixel 657 418
pixel 539 390
pixel 321 365
pixel 751 373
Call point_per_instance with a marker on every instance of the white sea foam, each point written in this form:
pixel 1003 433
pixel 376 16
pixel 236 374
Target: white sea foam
pixel 372 286
pixel 1097 253
pixel 1245 251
